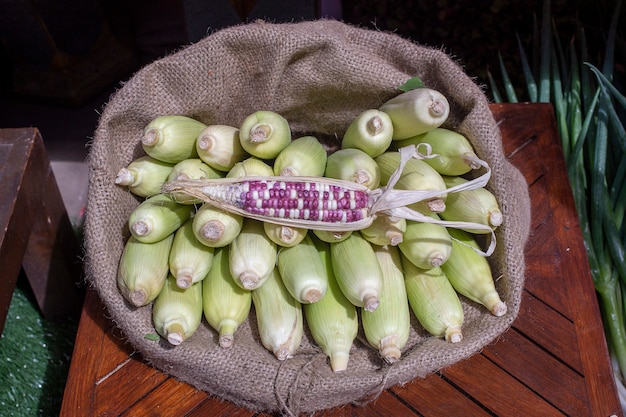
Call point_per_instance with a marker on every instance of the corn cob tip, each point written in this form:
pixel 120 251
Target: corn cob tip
pixel 249 280
pixel 226 340
pixel 138 297
pixel 206 142
pixel 311 295
pixel 140 227
pixel 289 172
pixel 370 302
pixel 227 328
pixel 395 238
pixel 150 137
pixel 175 333
pixel 260 134
pixel 438 107
pixel 453 334
pixel 437 259
pixel 375 125
pixel 361 176
pixel 495 218
pixel 389 350
pixel 184 280
pixel 436 205
pixel 212 230
pixel 174 338
pixel 499 309
pixel 182 177
pixel 471 160
pixel 282 353
pixel 339 361
pixel 124 177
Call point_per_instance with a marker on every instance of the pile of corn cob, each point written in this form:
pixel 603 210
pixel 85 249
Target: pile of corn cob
pixel 241 217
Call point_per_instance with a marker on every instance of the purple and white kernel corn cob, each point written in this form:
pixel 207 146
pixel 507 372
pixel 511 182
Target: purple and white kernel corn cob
pixel 293 199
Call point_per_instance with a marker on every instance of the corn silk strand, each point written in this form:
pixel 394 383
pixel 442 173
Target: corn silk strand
pixel 230 194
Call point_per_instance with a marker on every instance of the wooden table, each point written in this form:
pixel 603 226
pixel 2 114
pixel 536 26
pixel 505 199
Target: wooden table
pixel 552 362
pixel 36 235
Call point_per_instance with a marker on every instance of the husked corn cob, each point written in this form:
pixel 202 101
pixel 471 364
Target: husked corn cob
pixel 142 270
pixel 416 111
pixel 187 169
pixel 302 271
pixel 177 312
pixel 157 217
pixel 144 176
pixel 189 260
pixel 308 202
pixel 478 205
pixel 172 138
pixel 252 255
pixel 264 134
pixel 455 153
pixel 385 230
pixel 353 165
pixel 250 167
pixel 226 305
pixel 416 175
pixel 219 147
pixel 470 273
pixel 387 327
pixel 193 168
pixel 426 245
pixel 371 131
pixel 279 317
pixel 357 271
pixel 331 236
pixel 333 320
pixel 434 301
pixel 304 156
pixel 285 236
pixel 215 227
pixel 320 203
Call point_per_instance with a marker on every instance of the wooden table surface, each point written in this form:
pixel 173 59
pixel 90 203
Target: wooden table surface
pixel 552 362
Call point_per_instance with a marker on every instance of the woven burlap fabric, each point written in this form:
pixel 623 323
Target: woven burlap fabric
pixel 319 75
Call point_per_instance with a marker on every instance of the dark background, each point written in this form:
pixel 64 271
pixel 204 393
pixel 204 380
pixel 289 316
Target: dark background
pixel 61 59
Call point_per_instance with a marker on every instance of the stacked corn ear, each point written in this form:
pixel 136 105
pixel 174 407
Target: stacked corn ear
pixel 144 176
pixel 189 260
pixel 417 175
pixel 193 168
pixel 172 138
pixel 333 320
pixel 434 301
pixel 215 227
pixel 387 327
pixel 143 269
pixel 426 245
pixel 252 255
pixel 219 147
pixel 225 304
pixel 478 206
pixel 357 271
pixel 303 272
pixel 181 246
pixel 157 217
pixel 279 317
pixel 177 312
pixel 470 273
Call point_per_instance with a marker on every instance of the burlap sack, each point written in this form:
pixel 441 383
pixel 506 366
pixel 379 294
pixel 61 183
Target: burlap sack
pixel 319 75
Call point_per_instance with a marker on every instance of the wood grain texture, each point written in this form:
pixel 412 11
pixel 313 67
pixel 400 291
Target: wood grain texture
pixel 552 362
pixel 36 235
